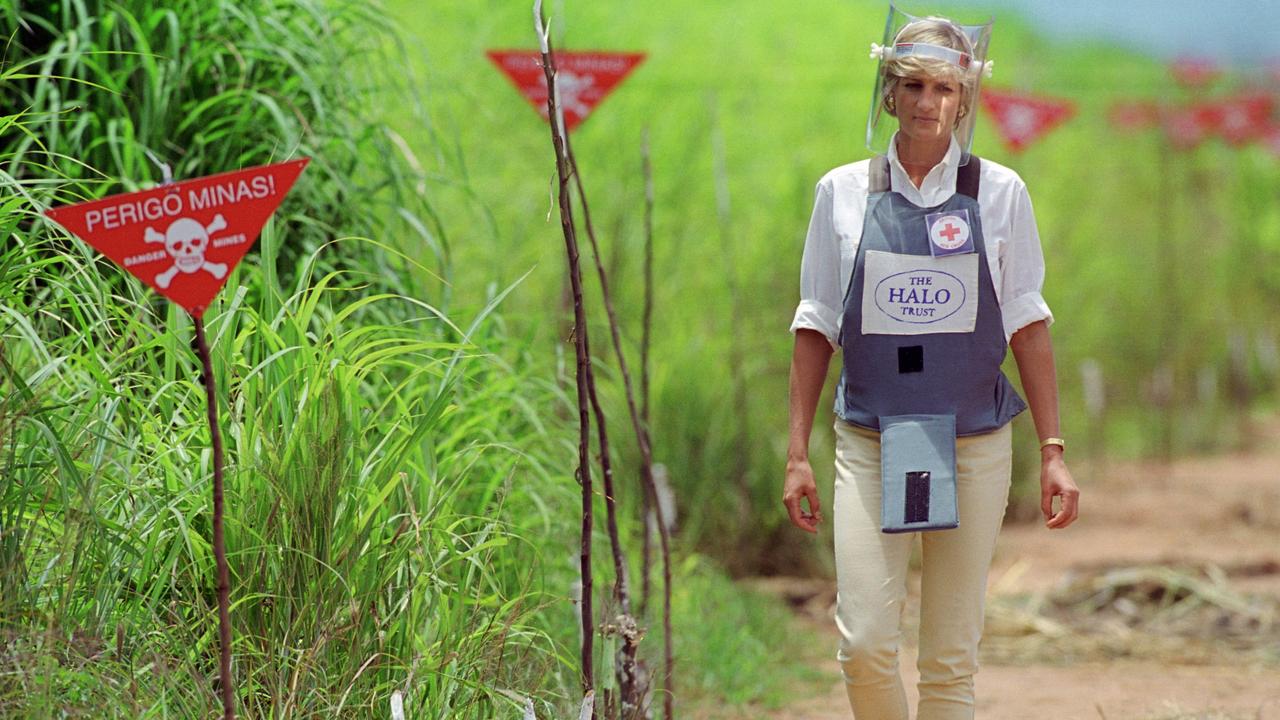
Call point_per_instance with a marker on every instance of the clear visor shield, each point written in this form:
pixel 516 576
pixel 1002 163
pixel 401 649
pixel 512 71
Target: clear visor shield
pixel 937 48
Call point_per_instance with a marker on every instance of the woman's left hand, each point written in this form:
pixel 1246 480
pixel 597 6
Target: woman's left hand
pixel 1055 479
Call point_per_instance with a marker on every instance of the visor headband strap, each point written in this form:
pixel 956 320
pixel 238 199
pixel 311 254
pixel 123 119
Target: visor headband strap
pixel 959 59
pixel 954 57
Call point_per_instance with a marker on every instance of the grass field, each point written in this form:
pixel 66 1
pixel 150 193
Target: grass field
pixel 398 386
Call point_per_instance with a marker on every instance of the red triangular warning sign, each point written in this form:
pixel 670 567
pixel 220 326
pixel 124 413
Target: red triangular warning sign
pixel 1245 117
pixel 184 239
pixel 1023 119
pixel 584 78
pixel 1187 126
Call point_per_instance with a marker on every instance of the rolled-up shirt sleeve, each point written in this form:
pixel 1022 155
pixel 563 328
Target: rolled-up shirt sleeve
pixel 1022 270
pixel 820 292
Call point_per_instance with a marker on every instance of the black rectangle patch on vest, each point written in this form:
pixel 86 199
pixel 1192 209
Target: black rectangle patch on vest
pixel 911 359
pixel 916 508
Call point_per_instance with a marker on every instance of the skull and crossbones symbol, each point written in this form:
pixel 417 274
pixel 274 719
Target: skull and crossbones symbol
pixel 571 87
pixel 186 242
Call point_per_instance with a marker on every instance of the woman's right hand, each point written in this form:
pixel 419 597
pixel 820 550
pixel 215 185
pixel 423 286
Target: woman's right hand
pixel 799 484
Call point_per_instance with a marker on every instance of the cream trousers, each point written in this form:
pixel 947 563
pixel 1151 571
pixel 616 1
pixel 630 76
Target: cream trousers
pixel 871 578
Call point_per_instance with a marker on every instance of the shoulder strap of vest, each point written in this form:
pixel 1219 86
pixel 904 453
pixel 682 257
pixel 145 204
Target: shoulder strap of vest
pixel 967 177
pixel 878 174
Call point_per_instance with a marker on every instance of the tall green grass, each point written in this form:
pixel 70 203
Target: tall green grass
pixel 401 513
pixel 362 561
pixel 378 499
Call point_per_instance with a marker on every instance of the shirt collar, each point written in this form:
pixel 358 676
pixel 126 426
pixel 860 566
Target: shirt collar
pixel 937 186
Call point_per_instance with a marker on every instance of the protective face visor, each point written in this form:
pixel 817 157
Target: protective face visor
pixel 901 50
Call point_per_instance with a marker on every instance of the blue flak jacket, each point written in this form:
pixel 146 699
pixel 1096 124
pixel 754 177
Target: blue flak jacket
pixel 922 332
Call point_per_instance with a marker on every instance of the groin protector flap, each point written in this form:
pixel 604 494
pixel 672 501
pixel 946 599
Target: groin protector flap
pixel 918 473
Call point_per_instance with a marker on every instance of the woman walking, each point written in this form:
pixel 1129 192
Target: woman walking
pixel 921 266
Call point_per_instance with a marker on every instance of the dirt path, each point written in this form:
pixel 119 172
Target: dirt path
pixel 1221 510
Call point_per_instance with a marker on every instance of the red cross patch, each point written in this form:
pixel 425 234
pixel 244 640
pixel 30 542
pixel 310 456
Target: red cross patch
pixel 949 232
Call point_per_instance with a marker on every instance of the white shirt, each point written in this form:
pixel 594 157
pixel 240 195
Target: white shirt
pixel 835 228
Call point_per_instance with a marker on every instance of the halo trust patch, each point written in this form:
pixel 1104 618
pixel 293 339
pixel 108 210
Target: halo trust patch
pixel 919 294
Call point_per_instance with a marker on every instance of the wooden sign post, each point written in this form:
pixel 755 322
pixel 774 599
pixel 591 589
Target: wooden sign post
pixel 184 239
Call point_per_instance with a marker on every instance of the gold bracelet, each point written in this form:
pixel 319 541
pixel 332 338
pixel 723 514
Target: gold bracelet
pixel 1053 441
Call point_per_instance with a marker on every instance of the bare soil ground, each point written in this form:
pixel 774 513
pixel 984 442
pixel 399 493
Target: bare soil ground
pixel 1160 602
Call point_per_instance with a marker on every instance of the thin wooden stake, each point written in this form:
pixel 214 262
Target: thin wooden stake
pixel 579 312
pixel 627 668
pixel 219 547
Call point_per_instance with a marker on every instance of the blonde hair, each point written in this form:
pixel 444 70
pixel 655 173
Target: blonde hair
pixel 934 31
